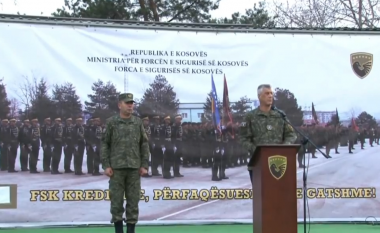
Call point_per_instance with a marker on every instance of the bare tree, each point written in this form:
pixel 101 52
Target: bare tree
pixel 14 108
pixel 27 90
pixel 327 13
pixel 354 112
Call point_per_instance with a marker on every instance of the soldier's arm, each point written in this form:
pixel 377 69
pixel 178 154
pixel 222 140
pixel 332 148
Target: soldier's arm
pixel 105 148
pixel 246 134
pixel 290 135
pixel 144 148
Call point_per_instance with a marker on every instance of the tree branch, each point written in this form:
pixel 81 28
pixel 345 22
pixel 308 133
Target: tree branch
pixel 184 9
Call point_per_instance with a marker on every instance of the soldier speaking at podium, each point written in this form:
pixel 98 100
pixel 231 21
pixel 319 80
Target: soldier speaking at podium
pixel 265 124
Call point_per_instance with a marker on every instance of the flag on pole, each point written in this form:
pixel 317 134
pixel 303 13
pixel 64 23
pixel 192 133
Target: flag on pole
pixel 227 116
pixel 214 105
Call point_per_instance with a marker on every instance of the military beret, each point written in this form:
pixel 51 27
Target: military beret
pixel 35 120
pixel 145 119
pixel 69 119
pixel 47 119
pixel 79 119
pixel 26 120
pixel 12 120
pixel 126 97
pixel 156 117
pixel 167 118
pixel 178 117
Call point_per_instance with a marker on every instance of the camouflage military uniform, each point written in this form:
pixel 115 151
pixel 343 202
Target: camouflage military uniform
pixel 34 145
pixel 47 144
pixel 57 146
pixel 24 151
pixel 14 141
pixel 68 148
pixel 125 149
pixel 177 137
pixel 79 146
pixel 157 141
pixel 148 134
pixel 264 128
pixel 4 143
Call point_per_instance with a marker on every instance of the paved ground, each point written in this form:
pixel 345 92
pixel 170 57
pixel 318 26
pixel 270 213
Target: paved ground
pixel 344 170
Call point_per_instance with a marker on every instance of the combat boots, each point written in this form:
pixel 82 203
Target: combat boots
pixel 130 228
pixel 119 227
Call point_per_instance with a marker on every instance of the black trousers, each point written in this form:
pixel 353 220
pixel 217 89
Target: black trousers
pixel 250 174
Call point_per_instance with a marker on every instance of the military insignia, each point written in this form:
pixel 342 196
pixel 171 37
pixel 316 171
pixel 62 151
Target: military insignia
pixel 269 127
pixel 129 96
pixel 243 124
pixel 361 64
pixel 277 166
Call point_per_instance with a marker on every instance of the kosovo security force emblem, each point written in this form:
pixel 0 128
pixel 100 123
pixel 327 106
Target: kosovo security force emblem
pixel 361 64
pixel 277 166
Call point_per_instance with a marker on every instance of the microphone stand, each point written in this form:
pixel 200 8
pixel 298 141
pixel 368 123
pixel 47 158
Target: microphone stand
pixel 304 142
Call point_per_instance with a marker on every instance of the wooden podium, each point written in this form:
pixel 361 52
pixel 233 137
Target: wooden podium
pixel 274 186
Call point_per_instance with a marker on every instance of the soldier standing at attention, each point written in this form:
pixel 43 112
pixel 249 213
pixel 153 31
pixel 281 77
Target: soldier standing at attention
pixel 96 134
pixel 24 151
pixel 89 151
pixel 125 155
pixel 47 144
pixel 14 141
pixel 168 148
pixel 178 133
pixel 264 125
pixel 216 156
pixel 157 155
pixel 351 139
pixel 79 145
pixel 34 145
pixel 57 134
pixel 148 134
pixel 68 144
pixel 4 143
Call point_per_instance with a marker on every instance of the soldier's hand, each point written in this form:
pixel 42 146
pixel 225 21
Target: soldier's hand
pixel 143 171
pixel 108 172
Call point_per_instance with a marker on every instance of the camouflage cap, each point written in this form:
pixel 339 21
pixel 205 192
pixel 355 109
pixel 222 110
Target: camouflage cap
pixel 35 120
pixel 178 116
pixel 145 119
pixel 167 118
pixel 47 119
pixel 126 97
pixel 79 119
pixel 12 120
pixel 5 120
pixel 26 121
pixel 57 119
pixel 69 119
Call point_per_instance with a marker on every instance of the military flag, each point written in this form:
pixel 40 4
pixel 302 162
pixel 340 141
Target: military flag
pixel 227 116
pixel 353 125
pixel 214 105
pixel 314 114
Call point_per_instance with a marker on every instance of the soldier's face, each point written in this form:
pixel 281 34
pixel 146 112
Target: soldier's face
pixel 167 121
pixel 79 122
pixel 266 97
pixel 48 122
pixel 178 121
pixel 13 123
pixel 126 108
pixel 146 122
pixel 69 122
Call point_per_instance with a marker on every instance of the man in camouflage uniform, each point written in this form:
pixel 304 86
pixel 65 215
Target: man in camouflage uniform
pixel 208 147
pixel 47 144
pixel 361 138
pixel 57 143
pixel 14 141
pixel 186 158
pixel 351 139
pixel 168 148
pixel 33 145
pixel 4 144
pixel 24 151
pixel 79 146
pixel 157 153
pixel 148 134
pixel 216 171
pixel 330 138
pixel 264 125
pixel 125 162
pixel 68 145
pixel 96 136
pixel 88 137
pixel 372 135
pixel 177 137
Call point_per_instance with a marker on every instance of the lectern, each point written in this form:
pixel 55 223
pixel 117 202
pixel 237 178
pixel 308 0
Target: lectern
pixel 274 187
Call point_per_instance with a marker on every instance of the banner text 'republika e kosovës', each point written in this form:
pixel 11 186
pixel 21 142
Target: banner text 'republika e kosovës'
pixel 332 80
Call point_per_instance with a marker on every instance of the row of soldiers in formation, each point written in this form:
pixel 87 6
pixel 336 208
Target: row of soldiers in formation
pixel 53 138
pixel 171 144
pixel 331 137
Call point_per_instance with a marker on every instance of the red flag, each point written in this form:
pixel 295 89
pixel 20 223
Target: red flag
pixel 353 125
pixel 227 116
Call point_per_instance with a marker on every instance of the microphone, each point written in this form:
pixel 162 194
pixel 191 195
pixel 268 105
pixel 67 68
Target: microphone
pixel 278 110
